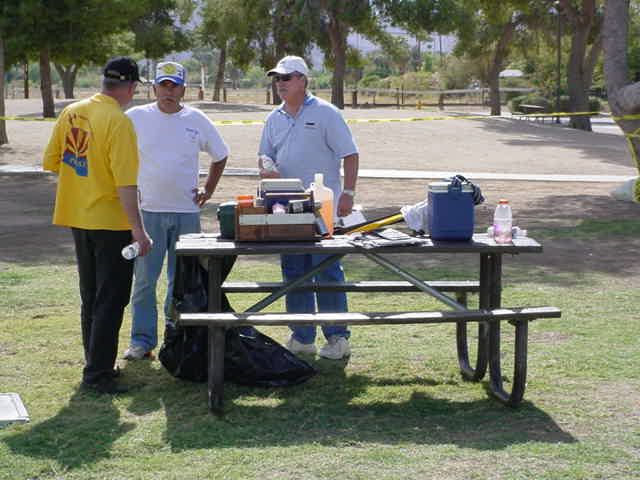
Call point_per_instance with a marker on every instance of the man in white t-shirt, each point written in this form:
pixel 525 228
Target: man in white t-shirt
pixel 170 137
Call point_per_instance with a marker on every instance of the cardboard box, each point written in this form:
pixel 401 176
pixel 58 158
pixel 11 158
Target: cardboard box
pixel 257 226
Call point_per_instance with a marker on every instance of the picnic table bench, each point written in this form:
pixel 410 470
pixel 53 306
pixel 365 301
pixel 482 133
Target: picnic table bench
pixel 488 316
pixel 532 112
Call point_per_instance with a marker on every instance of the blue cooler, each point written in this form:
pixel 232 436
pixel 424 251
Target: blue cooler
pixel 450 211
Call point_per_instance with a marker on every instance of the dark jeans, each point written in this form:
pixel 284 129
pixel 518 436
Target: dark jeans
pixel 105 289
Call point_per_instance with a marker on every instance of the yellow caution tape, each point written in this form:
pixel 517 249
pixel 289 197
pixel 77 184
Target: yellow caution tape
pixel 628 117
pixel 381 120
pixel 29 119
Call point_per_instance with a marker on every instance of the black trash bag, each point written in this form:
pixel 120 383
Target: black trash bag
pixel 251 358
pixel 184 350
pixel 254 359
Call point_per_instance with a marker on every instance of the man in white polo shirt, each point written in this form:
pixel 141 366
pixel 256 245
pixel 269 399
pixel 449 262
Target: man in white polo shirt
pixel 304 136
pixel 170 138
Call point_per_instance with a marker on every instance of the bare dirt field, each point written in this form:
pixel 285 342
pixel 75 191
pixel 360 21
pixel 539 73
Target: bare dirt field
pixel 480 145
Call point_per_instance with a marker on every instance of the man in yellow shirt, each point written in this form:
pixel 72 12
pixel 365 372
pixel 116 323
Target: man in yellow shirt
pixel 94 152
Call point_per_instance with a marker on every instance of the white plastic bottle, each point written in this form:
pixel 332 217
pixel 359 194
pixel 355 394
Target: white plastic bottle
pixel 131 251
pixel 324 195
pixel 502 222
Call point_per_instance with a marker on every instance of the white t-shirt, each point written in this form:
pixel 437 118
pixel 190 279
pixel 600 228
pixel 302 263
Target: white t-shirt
pixel 169 146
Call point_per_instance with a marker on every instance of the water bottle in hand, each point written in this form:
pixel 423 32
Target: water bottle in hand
pixel 131 251
pixel 502 222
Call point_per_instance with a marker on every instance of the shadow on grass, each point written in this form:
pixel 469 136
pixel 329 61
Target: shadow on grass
pixel 335 409
pixel 332 409
pixel 82 433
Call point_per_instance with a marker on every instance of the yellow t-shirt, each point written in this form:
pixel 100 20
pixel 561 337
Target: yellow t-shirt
pixel 93 149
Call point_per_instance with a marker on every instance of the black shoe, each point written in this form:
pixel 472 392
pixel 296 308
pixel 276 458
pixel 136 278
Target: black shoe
pixel 104 386
pixel 116 372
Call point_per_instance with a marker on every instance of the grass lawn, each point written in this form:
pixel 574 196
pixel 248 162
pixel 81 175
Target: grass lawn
pixel 397 409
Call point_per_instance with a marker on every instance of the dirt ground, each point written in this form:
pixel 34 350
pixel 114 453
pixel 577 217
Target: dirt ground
pixel 482 145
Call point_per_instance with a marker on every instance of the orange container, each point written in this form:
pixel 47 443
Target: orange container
pixel 245 200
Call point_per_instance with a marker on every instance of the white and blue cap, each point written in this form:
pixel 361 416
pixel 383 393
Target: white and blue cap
pixel 171 71
pixel 290 64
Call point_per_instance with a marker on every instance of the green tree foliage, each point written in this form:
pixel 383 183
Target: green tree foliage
pixel 458 72
pixel 331 22
pixel 424 16
pixel 225 27
pixel 278 28
pixel 488 33
pixel 156 28
pixel 80 42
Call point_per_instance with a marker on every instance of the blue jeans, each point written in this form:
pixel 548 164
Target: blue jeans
pixel 164 228
pixel 294 266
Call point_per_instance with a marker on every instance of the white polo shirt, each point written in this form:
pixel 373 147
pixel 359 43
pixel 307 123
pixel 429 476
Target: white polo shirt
pixel 314 141
pixel 169 146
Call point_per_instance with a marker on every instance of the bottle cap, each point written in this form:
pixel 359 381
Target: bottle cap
pixel 502 201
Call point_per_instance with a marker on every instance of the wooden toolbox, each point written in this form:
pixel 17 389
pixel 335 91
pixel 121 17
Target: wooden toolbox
pixel 254 225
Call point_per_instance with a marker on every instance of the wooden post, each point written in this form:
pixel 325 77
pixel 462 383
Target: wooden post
pixel 354 98
pixel 397 98
pixel 224 94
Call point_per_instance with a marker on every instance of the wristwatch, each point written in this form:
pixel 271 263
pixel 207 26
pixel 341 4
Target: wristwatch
pixel 351 193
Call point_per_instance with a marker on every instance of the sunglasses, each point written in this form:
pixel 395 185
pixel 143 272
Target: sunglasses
pixel 284 78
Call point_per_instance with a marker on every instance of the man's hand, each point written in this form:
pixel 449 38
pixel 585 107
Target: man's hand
pixel 269 174
pixel 145 242
pixel 200 196
pixel 345 205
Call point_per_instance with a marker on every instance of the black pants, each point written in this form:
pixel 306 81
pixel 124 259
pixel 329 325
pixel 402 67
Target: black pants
pixel 105 289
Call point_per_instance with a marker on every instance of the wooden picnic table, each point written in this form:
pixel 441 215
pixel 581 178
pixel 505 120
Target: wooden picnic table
pixel 213 250
pixel 526 108
pixel 533 112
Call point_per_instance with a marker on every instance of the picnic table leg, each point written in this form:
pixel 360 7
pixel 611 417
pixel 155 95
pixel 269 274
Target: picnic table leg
pixel 215 374
pixel 520 355
pixel 215 377
pixel 482 356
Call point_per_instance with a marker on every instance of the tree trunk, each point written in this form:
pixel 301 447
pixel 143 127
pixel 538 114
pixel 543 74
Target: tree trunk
pixel 338 39
pixel 624 98
pixel 68 76
pixel 3 127
pixel 578 91
pixel 222 60
pixel 48 109
pixel 579 75
pixel 499 56
pixel 26 79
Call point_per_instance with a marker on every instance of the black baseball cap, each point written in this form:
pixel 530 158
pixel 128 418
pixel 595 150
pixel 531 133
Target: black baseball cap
pixel 122 68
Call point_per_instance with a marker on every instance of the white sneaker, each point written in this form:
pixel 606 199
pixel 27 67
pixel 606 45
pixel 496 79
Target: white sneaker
pixel 336 348
pixel 294 346
pixel 136 352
